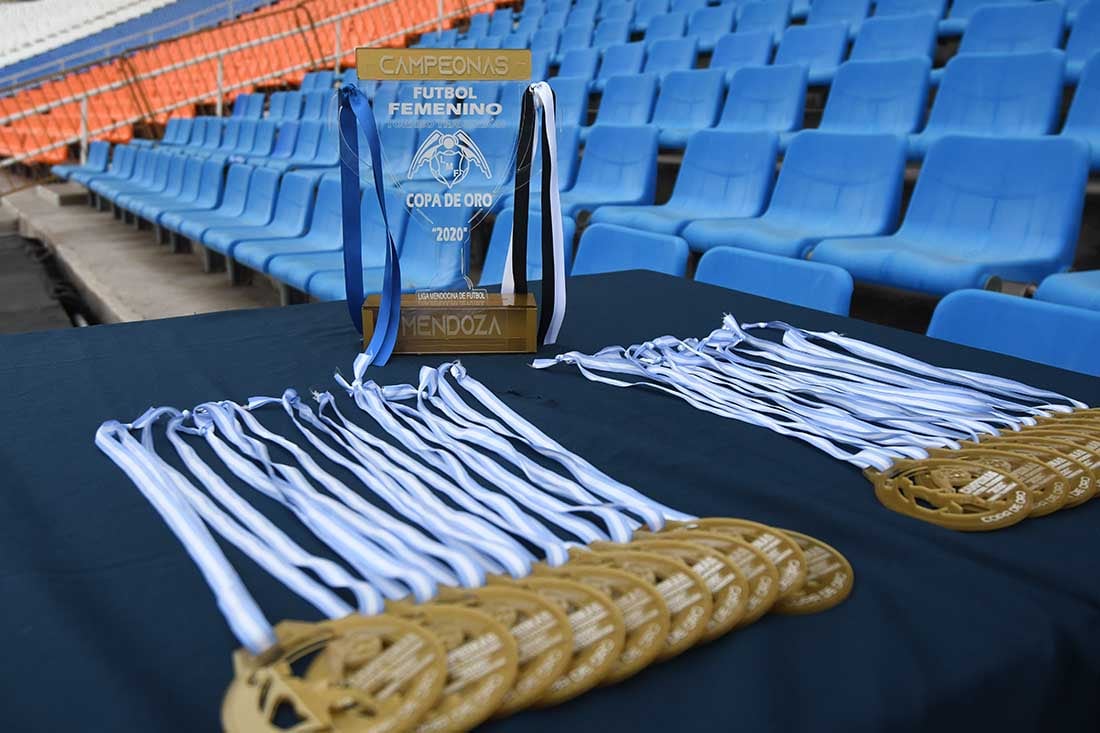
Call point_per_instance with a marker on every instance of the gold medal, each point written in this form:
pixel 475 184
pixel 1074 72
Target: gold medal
pixel 482 663
pixel 645 614
pixel 378 674
pixel 1047 486
pixel 728 588
pixel 781 550
pixel 684 592
pixel 1068 445
pixel 1088 415
pixel 829 578
pixel 598 634
pixel 1062 458
pixel 540 628
pixel 955 494
pixel 759 571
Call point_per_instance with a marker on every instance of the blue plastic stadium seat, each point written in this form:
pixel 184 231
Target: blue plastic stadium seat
pixel 285 106
pixel 887 8
pixel 1077 289
pixel 627 100
pixel 479 25
pixel 688 101
pixel 291 212
pixel 647 10
pixel 709 25
pixel 799 282
pixel 981 207
pixel 669 26
pixel 175 132
pixel 1017 28
pixel 264 139
pixel 1084 39
pixel 98 154
pixel 895 37
pixel 201 193
pixel 851 13
pixel 582 15
pixel 766 15
pixel 425 265
pixel 139 169
pixel 230 137
pixel 580 64
pixel 305 147
pixel 883 96
pixel 831 185
pixel 313 105
pixel 1083 119
pixel 249 106
pixel 324 232
pixel 769 98
pixel 574 37
pixel 259 189
pixel 501 22
pixel 1056 335
pixel 610 248
pixel 687 6
pixel 617 10
pixel 748 48
pixel 520 39
pixel 545 40
pixel 151 176
pixel 568 147
pixel 122 166
pixel 611 32
pixel 723 175
pixel 619 166
pixel 232 202
pixel 489 42
pixel 554 20
pixel 820 48
pixel 670 55
pixel 167 185
pixel 1001 95
pixel 621 60
pixel 492 271
pixel 961 11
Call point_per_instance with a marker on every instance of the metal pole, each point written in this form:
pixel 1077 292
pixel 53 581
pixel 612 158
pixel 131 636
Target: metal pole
pixel 83 130
pixel 336 34
pixel 439 23
pixel 221 85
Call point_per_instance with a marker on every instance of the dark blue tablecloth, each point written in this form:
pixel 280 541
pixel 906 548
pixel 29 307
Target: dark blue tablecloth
pixel 107 625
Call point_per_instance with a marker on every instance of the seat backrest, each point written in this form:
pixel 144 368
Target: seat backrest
pixel 611 32
pixel 767 98
pixel 646 10
pixel 98 153
pixel 479 25
pixel 712 23
pixel 243 104
pixel 624 59
pixel 398 148
pixel 982 197
pixel 555 19
pixel 622 159
pixel 276 106
pixel 309 137
pixel 610 248
pixel 327 222
pixel 885 8
pixel 964 9
pixel 582 15
pixel 877 96
pixel 123 162
pixel 568 155
pixel 184 129
pixel 628 100
pixel 545 39
pixel 895 37
pixel 294 202
pixel 1016 28
pixel 236 190
pixel 765 15
pixel 175 175
pixel 690 99
pixel 328 147
pixel 617 9
pixel 580 63
pixel 231 135
pixel 748 48
pixel 1083 119
pixel 265 137
pixel 211 184
pixel 734 171
pixel 246 136
pixel 837 177
pixel 813 46
pixel 999 94
pixel 171 131
pixel 1049 333
pixel 189 184
pixel 849 12
pixel 319 80
pixel 500 24
pixel 255 107
pixel 292 106
pixel 799 282
pixel 263 187
pixel 159 177
pixel 492 272
pixel 670 55
pixel 312 104
pixel 489 42
pixel 518 40
pixel 571 94
pixel 372 227
pixel 669 25
pixel 575 36
pixel 214 128
pixel 1084 37
pixel 425 262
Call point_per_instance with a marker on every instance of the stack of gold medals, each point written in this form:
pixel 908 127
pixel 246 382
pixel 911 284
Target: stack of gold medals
pixel 469 604
pixel 959 449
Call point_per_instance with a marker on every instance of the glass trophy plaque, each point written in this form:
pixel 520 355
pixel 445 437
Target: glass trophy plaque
pixel 448 127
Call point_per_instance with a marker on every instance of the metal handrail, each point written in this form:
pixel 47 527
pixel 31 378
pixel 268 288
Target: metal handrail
pixel 88 133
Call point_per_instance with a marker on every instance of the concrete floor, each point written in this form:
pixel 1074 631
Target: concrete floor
pixel 123 274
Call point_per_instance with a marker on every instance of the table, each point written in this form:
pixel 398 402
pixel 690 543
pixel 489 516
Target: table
pixel 108 625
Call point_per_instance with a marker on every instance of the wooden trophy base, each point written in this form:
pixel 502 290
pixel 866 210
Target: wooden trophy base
pixel 460 322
